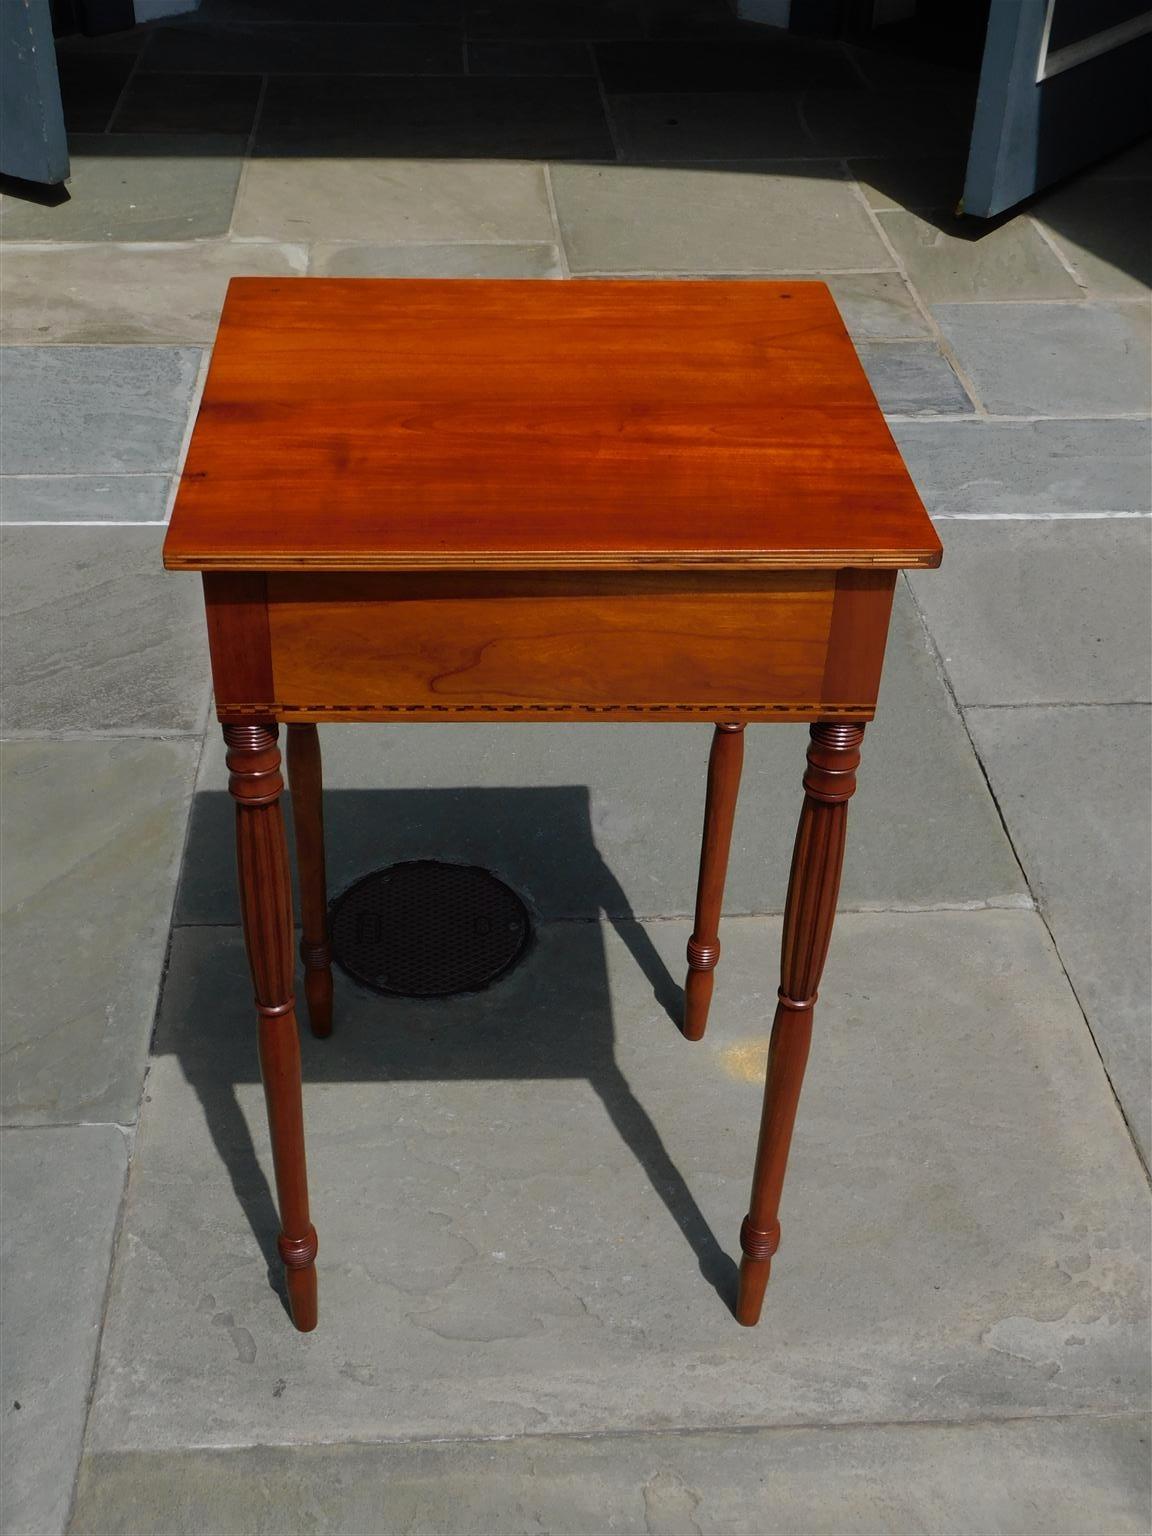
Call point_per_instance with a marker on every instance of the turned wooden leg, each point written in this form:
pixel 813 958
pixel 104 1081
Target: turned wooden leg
pixel 306 781
pixel 829 783
pixel 266 909
pixel 724 763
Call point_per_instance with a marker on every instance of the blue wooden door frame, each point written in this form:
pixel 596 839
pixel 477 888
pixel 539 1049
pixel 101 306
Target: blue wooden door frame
pixel 33 144
pixel 1041 116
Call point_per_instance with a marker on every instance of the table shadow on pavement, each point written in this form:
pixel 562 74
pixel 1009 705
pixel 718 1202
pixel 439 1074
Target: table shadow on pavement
pixel 477 1036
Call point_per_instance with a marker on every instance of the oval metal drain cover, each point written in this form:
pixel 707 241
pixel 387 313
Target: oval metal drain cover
pixel 427 929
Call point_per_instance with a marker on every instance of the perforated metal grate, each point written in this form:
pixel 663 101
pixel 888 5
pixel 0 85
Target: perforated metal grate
pixel 427 929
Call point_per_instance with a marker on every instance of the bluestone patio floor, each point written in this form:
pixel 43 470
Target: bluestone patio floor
pixel 528 1199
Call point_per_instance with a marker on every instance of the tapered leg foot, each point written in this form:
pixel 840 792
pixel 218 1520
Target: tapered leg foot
pixel 266 910
pixel 724 764
pixel 300 1279
pixel 755 1267
pixel 698 989
pixel 305 775
pixel 318 988
pixel 829 783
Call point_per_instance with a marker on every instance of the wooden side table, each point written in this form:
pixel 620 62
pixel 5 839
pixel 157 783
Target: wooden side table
pixel 517 501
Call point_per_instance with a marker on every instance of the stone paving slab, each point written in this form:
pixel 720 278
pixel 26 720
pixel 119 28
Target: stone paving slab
pixel 96 636
pixel 707 125
pixel 116 293
pixel 535 56
pixel 130 41
pixel 1049 1477
pixel 913 378
pixel 1053 359
pixel 873 305
pixel 1028 468
pixel 1135 162
pixel 90 87
pixel 876 305
pixel 62 1189
pixel 890 73
pixel 93 833
pixel 1104 230
pixel 137 187
pixel 456 260
pixel 528 19
pixel 756 60
pixel 188 103
pixel 1043 612
pixel 135 498
pixel 306 48
pixel 1075 787
pixel 909 182
pixel 775 216
pixel 95 410
pixel 394 202
pixel 588 818
pixel 528 1199
pixel 851 122
pixel 468 117
pixel 699 18
pixel 947 259
pixel 337 12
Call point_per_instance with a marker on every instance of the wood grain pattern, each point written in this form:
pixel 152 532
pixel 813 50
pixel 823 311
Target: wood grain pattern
pixel 236 606
pixel 256 785
pixel 402 642
pixel 859 633
pixel 410 424
pixel 725 761
pixel 813 886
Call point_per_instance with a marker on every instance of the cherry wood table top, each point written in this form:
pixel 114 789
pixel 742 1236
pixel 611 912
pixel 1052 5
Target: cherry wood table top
pixel 396 425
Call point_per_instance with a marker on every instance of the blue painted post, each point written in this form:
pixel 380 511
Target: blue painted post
pixel 33 144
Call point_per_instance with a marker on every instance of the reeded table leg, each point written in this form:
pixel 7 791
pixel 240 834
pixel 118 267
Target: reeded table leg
pixel 266 908
pixel 305 777
pixel 829 783
pixel 724 764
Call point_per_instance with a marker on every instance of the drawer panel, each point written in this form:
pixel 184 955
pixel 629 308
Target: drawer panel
pixel 585 644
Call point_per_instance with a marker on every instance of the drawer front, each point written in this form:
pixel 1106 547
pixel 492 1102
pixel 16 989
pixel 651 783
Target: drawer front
pixel 572 645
